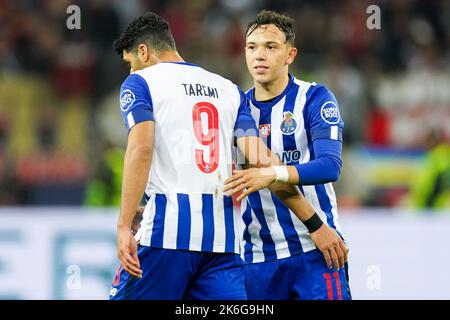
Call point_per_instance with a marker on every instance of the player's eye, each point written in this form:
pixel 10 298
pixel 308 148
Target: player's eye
pixel 250 47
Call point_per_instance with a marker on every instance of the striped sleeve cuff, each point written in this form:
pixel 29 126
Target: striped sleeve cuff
pixel 138 115
pixel 331 132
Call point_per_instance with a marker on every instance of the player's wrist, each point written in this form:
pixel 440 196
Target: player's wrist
pixel 123 226
pixel 281 173
pixel 269 173
pixel 313 223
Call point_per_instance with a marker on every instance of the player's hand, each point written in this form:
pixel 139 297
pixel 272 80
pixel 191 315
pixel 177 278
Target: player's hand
pixel 127 252
pixel 249 180
pixel 331 245
pixel 137 220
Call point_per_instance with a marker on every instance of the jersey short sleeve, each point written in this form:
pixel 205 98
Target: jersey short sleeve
pixel 135 101
pixel 245 124
pixel 324 118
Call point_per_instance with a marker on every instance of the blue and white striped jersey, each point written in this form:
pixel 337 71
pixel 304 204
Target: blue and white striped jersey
pixel 289 124
pixel 197 116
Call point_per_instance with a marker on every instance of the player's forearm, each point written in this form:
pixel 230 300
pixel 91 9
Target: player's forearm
pixel 258 155
pixel 290 195
pixel 326 167
pixel 293 199
pixel 135 176
pixel 256 152
pixel 319 171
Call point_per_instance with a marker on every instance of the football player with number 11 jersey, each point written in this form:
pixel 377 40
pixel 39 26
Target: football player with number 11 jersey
pixel 300 122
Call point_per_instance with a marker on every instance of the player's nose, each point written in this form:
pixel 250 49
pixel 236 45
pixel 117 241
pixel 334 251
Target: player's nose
pixel 260 54
pixel 260 58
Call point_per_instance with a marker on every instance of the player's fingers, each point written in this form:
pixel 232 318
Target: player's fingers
pixel 232 178
pixel 334 258
pixel 244 187
pixel 236 175
pixel 340 255
pixel 136 259
pixel 246 192
pixel 242 195
pixel 327 257
pixel 231 185
pixel 131 267
pixel 236 190
pixel 236 182
pixel 128 259
pixel 344 250
pixel 127 266
pixel 132 270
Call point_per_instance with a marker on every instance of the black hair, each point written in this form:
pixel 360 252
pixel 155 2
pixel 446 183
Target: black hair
pixel 284 23
pixel 150 29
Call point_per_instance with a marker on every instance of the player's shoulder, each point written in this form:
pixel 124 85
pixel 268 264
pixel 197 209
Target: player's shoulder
pixel 316 93
pixel 225 81
pixel 225 84
pixel 149 72
pixel 198 71
pixel 314 89
pixel 134 88
pixel 159 71
pixel 321 101
pixel 134 82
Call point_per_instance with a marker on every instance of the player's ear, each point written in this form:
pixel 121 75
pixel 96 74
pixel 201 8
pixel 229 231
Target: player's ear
pixel 144 53
pixel 292 53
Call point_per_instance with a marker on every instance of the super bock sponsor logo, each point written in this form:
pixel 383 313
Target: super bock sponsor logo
pixel 126 99
pixel 330 113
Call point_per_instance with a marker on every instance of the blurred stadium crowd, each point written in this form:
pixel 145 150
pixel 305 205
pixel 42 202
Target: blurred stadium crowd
pixel 62 137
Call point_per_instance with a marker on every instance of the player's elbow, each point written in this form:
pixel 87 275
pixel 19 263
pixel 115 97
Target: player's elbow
pixel 330 168
pixel 334 171
pixel 142 152
pixel 334 175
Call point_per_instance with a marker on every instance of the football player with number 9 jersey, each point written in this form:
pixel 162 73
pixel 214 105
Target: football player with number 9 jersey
pixel 182 124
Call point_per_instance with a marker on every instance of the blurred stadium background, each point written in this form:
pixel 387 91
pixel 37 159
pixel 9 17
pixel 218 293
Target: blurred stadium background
pixel 62 138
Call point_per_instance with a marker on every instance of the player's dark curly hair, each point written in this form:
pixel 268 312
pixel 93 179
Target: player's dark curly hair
pixel 284 23
pixel 150 29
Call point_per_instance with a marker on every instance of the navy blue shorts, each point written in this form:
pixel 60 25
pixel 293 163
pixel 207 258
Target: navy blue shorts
pixel 182 275
pixel 300 277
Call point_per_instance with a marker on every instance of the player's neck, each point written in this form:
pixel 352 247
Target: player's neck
pixel 169 56
pixel 270 90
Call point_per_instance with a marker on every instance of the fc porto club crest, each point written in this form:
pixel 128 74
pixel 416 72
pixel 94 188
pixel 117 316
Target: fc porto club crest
pixel 288 125
pixel 264 130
